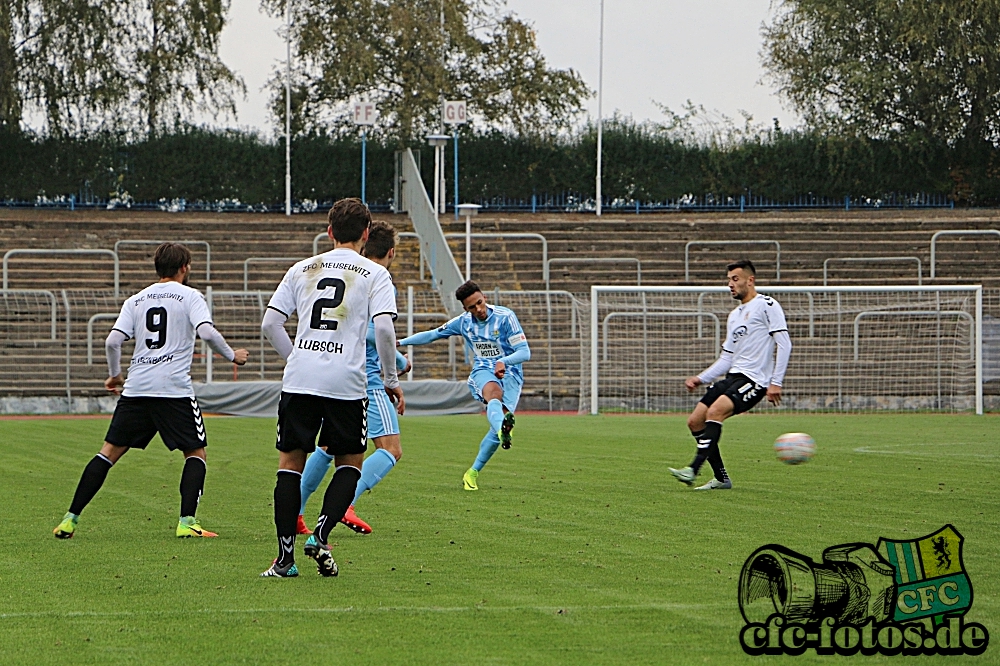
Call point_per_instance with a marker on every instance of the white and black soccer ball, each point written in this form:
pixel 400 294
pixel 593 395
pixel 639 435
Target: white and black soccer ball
pixel 794 448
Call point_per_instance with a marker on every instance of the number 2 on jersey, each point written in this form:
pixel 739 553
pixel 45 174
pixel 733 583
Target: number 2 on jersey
pixel 156 322
pixel 316 320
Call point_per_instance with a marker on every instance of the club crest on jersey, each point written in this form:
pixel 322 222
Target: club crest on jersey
pixel 739 333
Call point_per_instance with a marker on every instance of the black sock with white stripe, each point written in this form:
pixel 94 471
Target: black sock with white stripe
pixel 91 481
pixel 287 498
pixel 192 485
pixel 713 433
pixel 701 454
pixel 336 501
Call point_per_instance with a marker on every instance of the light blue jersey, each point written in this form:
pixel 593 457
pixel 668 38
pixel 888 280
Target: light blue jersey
pixel 372 366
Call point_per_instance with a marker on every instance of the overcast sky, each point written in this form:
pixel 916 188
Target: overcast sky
pixel 667 51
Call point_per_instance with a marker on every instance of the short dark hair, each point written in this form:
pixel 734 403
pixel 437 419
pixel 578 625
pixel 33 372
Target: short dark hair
pixel 348 219
pixel 465 290
pixel 169 258
pixel 381 239
pixel 745 264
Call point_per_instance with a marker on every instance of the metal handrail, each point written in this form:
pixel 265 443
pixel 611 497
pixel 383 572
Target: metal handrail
pixel 263 260
pixel 100 316
pixel 961 314
pixel 776 244
pixel 612 315
pixel 515 235
pixel 920 270
pixel 55 307
pixel 16 251
pixel 956 232
pixel 596 260
pixel 208 250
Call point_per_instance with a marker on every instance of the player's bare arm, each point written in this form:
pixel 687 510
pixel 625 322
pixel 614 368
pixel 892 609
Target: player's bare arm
pixel 693 382
pixel 774 394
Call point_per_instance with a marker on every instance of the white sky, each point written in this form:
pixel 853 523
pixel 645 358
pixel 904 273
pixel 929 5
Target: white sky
pixel 670 51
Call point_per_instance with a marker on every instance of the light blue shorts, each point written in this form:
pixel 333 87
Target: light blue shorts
pixel 382 419
pixel 511 385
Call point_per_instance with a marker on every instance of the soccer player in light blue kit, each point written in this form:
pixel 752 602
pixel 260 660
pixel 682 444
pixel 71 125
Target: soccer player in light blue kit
pixel 497 341
pixel 383 426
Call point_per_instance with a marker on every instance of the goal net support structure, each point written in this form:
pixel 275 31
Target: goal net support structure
pixel 856 348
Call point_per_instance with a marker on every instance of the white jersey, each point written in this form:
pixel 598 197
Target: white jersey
pixel 163 318
pixel 335 294
pixel 749 338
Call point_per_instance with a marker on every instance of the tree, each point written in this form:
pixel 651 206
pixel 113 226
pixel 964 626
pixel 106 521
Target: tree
pixel 915 68
pixel 408 55
pixel 173 62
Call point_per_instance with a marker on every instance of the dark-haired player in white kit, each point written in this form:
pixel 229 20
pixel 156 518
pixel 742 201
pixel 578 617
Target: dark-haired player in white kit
pixel 157 396
pixel 323 389
pixel 751 371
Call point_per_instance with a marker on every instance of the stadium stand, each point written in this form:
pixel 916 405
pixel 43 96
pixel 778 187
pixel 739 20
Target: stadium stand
pixel 34 361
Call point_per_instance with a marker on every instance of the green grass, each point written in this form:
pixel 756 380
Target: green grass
pixel 578 548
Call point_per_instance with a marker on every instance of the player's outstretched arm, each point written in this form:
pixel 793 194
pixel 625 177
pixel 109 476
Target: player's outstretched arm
pixel 385 344
pixel 717 369
pixel 211 335
pixel 521 354
pixel 273 326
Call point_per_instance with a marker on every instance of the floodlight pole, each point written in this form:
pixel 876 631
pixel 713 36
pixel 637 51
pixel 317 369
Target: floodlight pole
pixel 288 107
pixel 600 101
pixel 364 159
pixel 455 140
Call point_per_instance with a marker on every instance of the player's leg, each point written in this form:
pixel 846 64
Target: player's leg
pixel 345 434
pixel 130 427
pixel 182 428
pixel 299 420
pixel 720 410
pixel 508 398
pixel 696 424
pixel 312 476
pixel 383 429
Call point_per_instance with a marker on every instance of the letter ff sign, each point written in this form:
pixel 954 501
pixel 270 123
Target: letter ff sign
pixel 454 113
pixel 364 113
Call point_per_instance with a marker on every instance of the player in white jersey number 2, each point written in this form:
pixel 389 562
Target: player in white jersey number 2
pixel 158 396
pixel 497 342
pixel 323 392
pixel 747 370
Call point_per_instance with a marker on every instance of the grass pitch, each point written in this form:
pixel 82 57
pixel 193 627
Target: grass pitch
pixel 578 548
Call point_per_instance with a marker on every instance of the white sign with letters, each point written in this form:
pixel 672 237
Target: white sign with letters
pixel 364 113
pixel 454 113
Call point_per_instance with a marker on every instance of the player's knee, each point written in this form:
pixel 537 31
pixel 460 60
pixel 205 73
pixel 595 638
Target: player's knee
pixel 695 422
pixel 718 412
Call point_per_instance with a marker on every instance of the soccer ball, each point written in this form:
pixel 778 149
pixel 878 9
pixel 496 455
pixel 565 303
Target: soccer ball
pixel 794 448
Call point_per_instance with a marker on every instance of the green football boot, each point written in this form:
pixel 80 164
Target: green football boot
pixel 508 425
pixel 188 526
pixel 66 528
pixel 470 480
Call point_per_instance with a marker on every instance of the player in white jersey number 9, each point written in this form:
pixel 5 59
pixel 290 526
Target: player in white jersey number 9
pixel 745 372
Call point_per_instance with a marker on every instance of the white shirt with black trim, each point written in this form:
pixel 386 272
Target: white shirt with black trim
pixel 749 337
pixel 335 295
pixel 163 318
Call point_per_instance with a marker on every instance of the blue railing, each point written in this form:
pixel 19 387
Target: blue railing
pixel 564 202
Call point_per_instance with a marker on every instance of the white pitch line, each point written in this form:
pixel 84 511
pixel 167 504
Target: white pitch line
pixel 376 609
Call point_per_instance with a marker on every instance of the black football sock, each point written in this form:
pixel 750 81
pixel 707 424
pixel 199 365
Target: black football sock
pixel 701 455
pixel 336 501
pixel 713 433
pixel 192 485
pixel 93 478
pixel 287 498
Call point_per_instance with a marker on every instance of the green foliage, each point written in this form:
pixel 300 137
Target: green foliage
pixel 408 55
pixel 570 552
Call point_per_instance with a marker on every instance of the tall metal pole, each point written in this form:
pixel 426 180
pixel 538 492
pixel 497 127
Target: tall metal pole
pixel 288 107
pixel 600 102
pixel 364 159
pixel 437 180
pixel 454 139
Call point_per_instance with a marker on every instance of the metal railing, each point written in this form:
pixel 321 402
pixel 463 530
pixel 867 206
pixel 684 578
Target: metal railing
pixel 596 260
pixel 263 260
pixel 6 293
pixel 776 244
pixel 17 251
pixel 644 315
pixel 100 316
pixel 920 270
pixel 955 232
pixel 205 244
pixel 915 313
pixel 515 235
